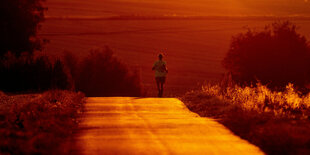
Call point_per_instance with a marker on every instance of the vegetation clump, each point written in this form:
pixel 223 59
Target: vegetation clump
pixel 37 123
pixel 28 73
pixel 101 73
pixel 275 56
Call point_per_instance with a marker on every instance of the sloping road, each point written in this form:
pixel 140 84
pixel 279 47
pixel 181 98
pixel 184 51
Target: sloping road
pixel 123 125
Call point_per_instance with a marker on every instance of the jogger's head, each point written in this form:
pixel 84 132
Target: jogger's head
pixel 160 56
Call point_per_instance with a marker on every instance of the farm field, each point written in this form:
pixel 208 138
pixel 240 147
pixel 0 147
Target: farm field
pixel 193 48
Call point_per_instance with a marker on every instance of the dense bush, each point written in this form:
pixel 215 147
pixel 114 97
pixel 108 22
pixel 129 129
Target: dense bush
pixel 102 74
pixel 98 74
pixel 29 74
pixel 276 56
pixel 37 124
pixel 19 22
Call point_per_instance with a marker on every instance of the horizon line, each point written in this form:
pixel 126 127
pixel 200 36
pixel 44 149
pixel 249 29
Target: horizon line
pixel 179 17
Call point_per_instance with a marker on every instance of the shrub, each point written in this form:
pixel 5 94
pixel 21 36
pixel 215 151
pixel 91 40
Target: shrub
pixel 276 56
pixel 37 124
pixel 102 74
pixel 29 74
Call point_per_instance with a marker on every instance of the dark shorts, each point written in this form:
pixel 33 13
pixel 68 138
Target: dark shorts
pixel 160 79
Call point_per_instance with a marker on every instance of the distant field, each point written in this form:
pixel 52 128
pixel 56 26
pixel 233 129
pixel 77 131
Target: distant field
pixel 194 48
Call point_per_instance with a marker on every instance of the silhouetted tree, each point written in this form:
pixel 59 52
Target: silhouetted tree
pixel 60 79
pixel 19 22
pixel 29 74
pixel 70 67
pixel 276 56
pixel 102 74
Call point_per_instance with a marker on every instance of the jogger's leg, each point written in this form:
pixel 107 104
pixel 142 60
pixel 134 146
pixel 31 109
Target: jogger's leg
pixel 158 87
pixel 161 89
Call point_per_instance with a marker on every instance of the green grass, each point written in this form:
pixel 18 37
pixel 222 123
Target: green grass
pixel 38 123
pixel 277 122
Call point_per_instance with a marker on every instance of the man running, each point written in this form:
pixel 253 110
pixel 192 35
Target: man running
pixel 160 74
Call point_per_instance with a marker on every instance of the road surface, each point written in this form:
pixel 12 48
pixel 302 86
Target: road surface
pixel 123 125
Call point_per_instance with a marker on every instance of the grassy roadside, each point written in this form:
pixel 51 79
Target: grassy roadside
pixel 277 122
pixel 38 123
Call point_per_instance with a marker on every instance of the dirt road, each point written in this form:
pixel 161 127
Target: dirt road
pixel 123 125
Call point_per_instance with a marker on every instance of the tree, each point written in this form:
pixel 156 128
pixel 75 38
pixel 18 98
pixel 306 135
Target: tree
pixel 60 78
pixel 276 56
pixel 19 22
pixel 101 73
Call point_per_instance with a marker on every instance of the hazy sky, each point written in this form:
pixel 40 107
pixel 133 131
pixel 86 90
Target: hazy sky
pixel 178 7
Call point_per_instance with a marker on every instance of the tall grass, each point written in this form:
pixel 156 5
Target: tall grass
pixel 289 103
pixel 277 122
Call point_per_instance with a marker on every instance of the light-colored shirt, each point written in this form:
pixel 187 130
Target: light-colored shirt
pixel 160 68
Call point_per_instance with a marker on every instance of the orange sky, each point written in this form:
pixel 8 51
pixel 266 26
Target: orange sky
pixel 178 7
